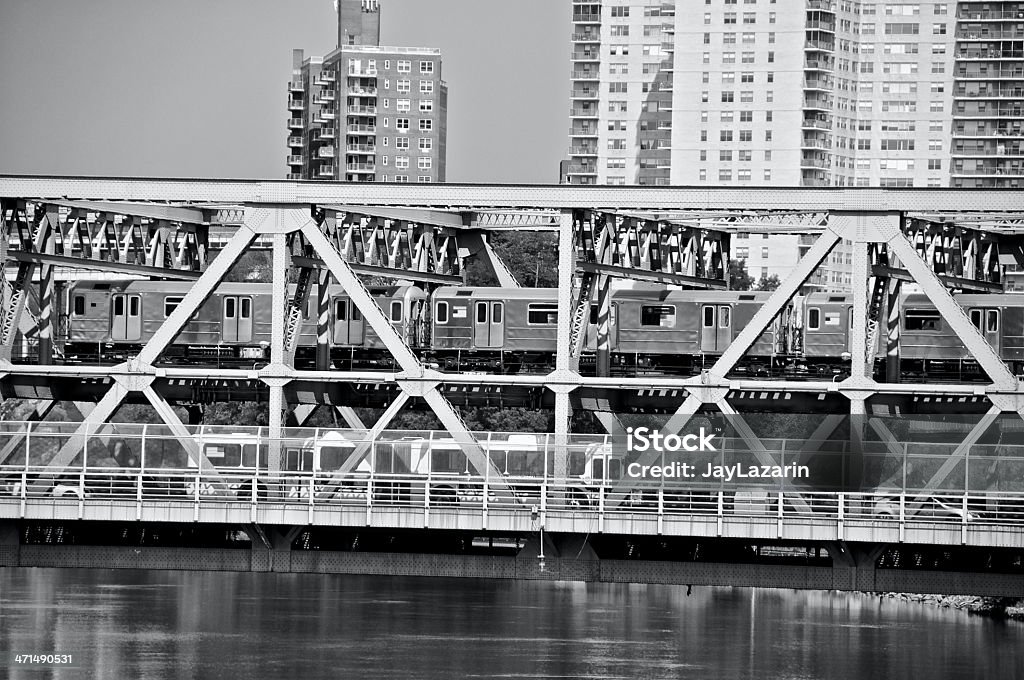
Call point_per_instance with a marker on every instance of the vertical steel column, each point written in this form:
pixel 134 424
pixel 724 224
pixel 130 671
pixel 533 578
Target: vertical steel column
pixel 563 409
pixel 44 331
pixel 279 294
pixel 859 330
pixel 323 320
pixel 892 338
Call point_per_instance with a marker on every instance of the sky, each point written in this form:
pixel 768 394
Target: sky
pixel 197 88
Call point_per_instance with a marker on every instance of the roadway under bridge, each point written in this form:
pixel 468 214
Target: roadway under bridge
pixel 946 244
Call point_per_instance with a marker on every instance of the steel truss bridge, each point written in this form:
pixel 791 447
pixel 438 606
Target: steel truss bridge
pixel 941 240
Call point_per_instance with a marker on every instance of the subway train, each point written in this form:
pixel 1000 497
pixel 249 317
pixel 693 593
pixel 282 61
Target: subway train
pixel 652 330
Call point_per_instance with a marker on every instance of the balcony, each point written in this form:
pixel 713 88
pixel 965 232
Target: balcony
pixel 815 143
pixel 990 15
pixel 294 160
pixel 823 163
pixel 1013 170
pixel 577 169
pixel 819 45
pixel 966 34
pixel 295 123
pixel 586 37
pixel 324 97
pixel 296 141
pixel 818 64
pixel 361 129
pixel 361 167
pixel 586 18
pixel 822 5
pixel 324 133
pixel 361 148
pixel 583 151
pixel 585 74
pixel 815 24
pixel 987 55
pixel 362 111
pixel 816 124
pixel 361 91
pixel 297 86
pixel 994 112
pixel 586 56
pixel 362 71
pixel 817 103
pixel 325 77
pixel 296 104
pixel 582 132
pixel 1011 131
pixel 583 112
pixel 325 152
pixel 293 176
pixel 1013 73
pixel 817 83
pixel 325 171
pixel 964 92
pixel 585 93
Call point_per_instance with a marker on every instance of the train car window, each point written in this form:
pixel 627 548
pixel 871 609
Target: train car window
pixel 992 319
pixel 497 309
pixel 975 315
pixel 593 315
pixel 133 305
pixel 340 310
pixel 292 459
pixel 118 305
pixel 709 317
pixel 441 315
pixel 481 312
pixel 226 455
pixel 542 313
pixel 248 455
pixel 356 314
pixel 331 457
pixel 663 316
pixel 921 320
pixel 79 305
pixel 723 316
pixel 170 304
pixel 396 310
pixel 813 319
pixel 246 307
pixel 229 308
pixel 614 469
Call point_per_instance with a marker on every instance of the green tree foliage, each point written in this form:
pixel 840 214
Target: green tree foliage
pixel 739 279
pixel 530 256
pixel 254 266
pixel 767 282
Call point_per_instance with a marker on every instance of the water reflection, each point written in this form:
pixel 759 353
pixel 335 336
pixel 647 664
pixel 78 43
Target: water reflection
pixel 128 624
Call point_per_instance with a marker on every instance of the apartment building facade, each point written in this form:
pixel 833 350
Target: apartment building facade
pixel 801 93
pixel 367 113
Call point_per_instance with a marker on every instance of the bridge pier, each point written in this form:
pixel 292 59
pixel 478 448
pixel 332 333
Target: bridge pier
pixel 271 547
pixel 10 544
pixel 854 565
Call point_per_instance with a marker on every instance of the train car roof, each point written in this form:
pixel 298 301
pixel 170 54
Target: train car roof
pixel 965 299
pixel 229 287
pixel 645 292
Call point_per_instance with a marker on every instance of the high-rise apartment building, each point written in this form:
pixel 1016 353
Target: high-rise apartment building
pixel 798 93
pixel 366 113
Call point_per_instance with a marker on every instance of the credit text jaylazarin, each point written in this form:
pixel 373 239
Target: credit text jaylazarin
pixel 724 472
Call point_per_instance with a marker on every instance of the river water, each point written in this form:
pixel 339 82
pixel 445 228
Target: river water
pixel 136 624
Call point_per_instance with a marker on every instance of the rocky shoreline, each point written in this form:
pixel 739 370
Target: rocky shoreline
pixel 996 607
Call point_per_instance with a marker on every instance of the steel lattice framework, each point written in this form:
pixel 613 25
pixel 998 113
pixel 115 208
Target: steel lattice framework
pixel 318 232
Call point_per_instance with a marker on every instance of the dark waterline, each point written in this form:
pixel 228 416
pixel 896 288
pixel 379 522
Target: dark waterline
pixel 136 624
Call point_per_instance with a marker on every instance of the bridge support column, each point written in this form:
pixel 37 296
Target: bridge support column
pixel 10 544
pixel 853 565
pixel 271 547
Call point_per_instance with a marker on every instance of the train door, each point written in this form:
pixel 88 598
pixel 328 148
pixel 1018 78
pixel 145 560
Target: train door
pixel 418 329
pixel 489 324
pixel 986 320
pixel 715 327
pixel 236 321
pixel 125 317
pixel 613 327
pixel 348 323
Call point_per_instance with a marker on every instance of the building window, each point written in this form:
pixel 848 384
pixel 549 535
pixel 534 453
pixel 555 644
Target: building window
pixel 725 155
pixel 426 125
pixel 403 85
pixel 725 136
pixel 426 105
pixel 426 143
pixel 426 67
pixel 401 178
pixel 401 163
pixel 425 163
pixel 424 179
pixel 401 142
pixel 404 66
pixel 402 123
pixel 403 105
pixel 725 175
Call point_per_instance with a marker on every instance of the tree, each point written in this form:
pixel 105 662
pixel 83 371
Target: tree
pixel 739 279
pixel 767 282
pixel 530 256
